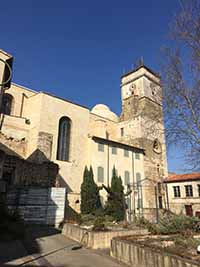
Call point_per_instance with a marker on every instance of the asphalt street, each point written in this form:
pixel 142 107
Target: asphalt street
pixel 48 248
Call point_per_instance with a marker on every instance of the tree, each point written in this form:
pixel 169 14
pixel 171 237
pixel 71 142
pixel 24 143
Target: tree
pixel 90 199
pixel 115 205
pixel 181 83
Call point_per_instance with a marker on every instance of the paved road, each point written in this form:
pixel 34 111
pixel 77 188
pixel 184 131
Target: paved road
pixel 56 250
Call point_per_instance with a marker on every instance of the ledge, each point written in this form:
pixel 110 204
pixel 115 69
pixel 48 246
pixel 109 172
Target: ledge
pixel 135 254
pixel 97 240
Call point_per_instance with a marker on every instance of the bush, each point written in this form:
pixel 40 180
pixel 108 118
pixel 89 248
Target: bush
pixel 186 242
pixel 99 224
pixel 176 224
pixel 87 219
pixel 171 224
pixel 109 218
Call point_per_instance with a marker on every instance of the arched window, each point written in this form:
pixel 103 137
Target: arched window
pixel 64 139
pixel 7 103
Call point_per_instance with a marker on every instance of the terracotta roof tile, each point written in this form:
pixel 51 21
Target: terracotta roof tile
pixel 183 177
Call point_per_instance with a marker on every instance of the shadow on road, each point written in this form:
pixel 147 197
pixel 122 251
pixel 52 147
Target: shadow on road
pixel 14 250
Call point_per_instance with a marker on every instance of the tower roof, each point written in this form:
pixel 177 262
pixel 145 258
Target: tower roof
pixel 139 67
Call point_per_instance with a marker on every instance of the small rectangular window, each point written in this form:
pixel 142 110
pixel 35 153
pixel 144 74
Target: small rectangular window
pixel 138 179
pixel 100 147
pixel 100 174
pixel 122 131
pixel 188 191
pixel 137 156
pixel 198 190
pixel 126 177
pixel 159 188
pixel 160 203
pixel 139 203
pixel 114 150
pixel 128 203
pixel 177 192
pixel 126 153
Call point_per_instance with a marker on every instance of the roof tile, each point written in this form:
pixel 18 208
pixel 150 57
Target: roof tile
pixel 183 177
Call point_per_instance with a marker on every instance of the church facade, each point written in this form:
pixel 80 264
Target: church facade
pixel 74 136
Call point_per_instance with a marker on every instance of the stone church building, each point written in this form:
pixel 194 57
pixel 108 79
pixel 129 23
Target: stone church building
pixel 53 129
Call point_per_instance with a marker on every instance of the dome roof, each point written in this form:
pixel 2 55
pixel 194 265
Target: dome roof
pixel 104 111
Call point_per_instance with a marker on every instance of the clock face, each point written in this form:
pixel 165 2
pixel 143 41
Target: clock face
pixel 157 148
pixel 153 88
pixel 132 89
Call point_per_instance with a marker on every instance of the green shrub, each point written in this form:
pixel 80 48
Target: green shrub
pixel 170 224
pixel 109 218
pixel 99 224
pixel 186 242
pixel 176 224
pixel 87 219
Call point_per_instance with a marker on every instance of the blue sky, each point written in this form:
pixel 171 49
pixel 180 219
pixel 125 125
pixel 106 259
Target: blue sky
pixel 79 49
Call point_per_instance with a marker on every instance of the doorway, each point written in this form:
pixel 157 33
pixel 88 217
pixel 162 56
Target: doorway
pixel 188 210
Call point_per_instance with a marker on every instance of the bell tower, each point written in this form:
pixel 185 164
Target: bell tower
pixel 142 118
pixel 141 95
pixel 137 85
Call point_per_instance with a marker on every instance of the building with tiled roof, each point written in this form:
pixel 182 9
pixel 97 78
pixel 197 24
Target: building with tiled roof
pixel 183 191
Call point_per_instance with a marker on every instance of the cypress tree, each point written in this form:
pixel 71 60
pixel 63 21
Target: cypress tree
pixel 84 191
pixel 90 199
pixel 115 205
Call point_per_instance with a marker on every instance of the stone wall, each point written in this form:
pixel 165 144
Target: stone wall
pixel 141 256
pixel 45 141
pixel 18 146
pixel 20 172
pixel 97 240
pixel 27 173
pixel 38 205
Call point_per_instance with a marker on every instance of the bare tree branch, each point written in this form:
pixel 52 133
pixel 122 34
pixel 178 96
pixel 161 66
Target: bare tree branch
pixel 181 82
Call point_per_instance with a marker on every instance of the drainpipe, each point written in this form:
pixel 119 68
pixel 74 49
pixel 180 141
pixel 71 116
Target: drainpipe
pixel 22 104
pixel 167 195
pixel 133 176
pixel 142 210
pixel 108 160
pixel 156 202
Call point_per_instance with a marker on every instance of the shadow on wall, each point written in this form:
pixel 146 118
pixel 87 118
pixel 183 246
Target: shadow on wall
pixel 37 170
pixel 38 205
pixel 33 235
pixel 32 187
pixel 38 157
pixel 71 215
pixel 62 183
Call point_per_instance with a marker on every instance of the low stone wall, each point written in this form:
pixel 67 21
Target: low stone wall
pixel 97 240
pixel 138 256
